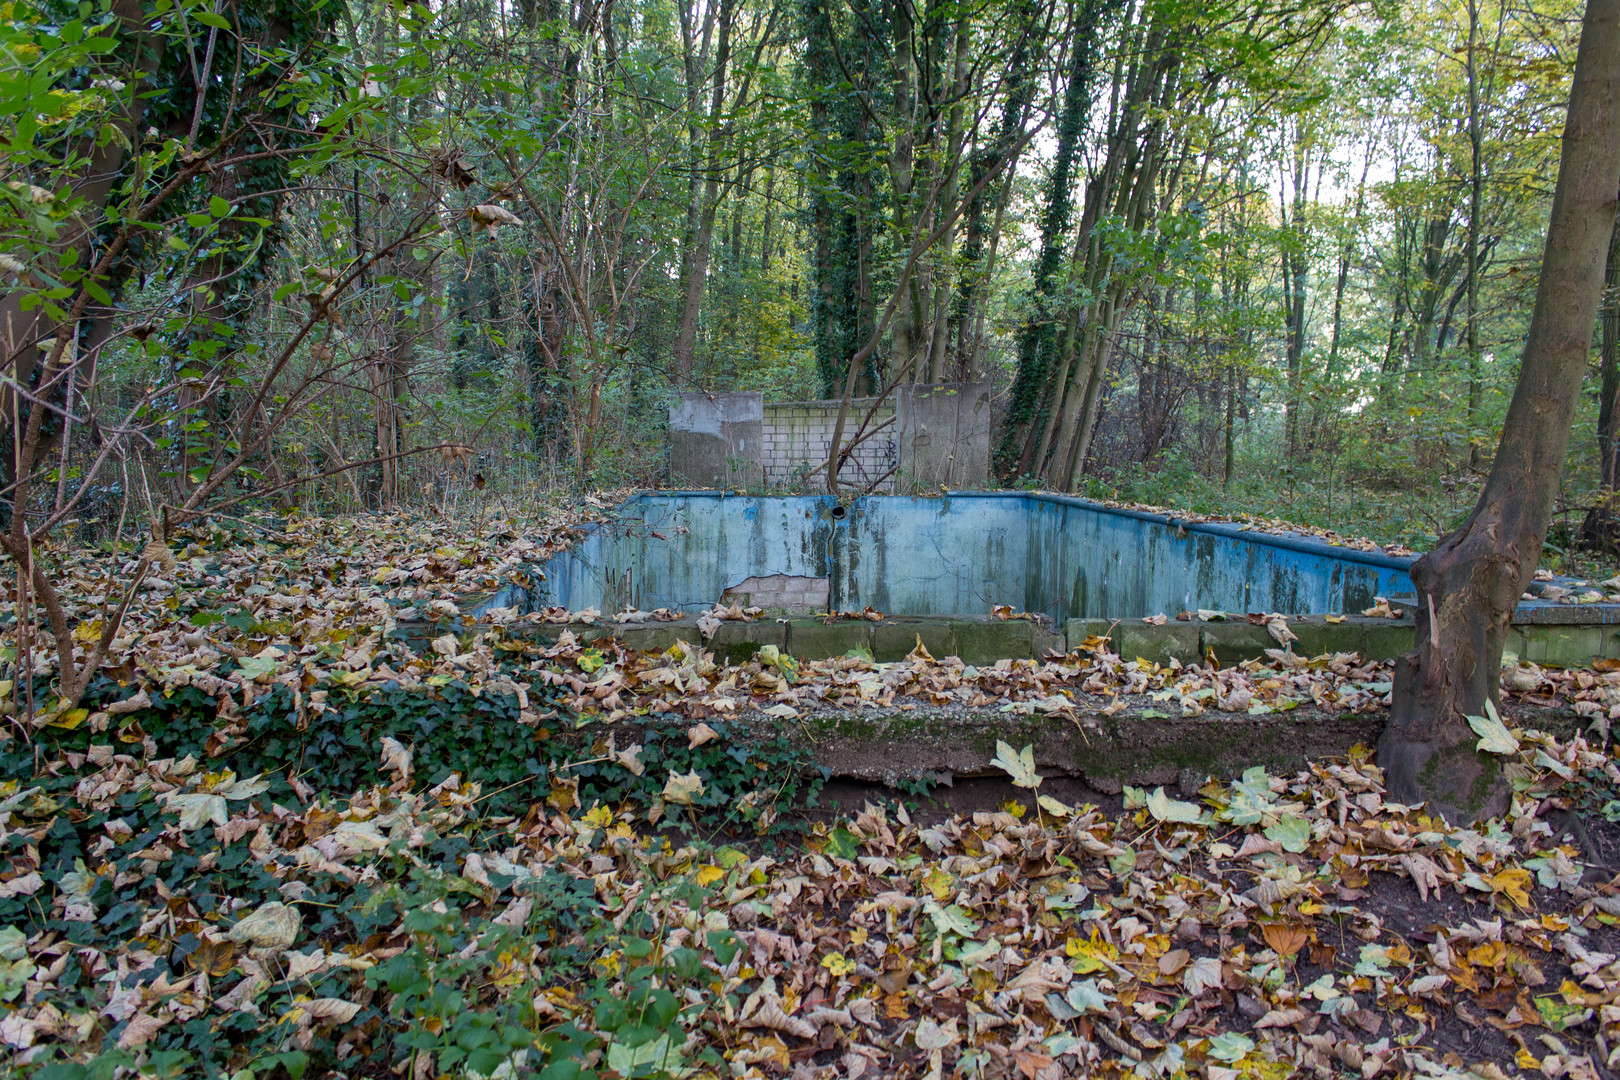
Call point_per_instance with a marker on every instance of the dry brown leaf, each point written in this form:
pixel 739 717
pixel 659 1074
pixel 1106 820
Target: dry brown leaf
pixel 142 1028
pixel 1278 1018
pixel 334 1009
pixel 213 957
pixel 768 1014
pixel 1173 961
pixel 1286 939
pixel 1203 975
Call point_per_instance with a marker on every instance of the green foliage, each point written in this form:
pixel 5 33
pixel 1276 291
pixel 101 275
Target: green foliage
pixel 428 997
pixel 476 736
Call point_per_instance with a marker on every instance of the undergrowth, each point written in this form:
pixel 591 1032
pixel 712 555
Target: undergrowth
pixel 620 994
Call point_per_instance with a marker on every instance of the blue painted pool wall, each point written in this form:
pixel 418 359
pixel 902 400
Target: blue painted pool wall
pixel 959 554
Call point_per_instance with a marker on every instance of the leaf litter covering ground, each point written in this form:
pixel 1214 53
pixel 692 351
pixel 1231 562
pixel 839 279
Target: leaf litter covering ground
pixel 1272 926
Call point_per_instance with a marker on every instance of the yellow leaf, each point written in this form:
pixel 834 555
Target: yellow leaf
pixel 1514 882
pixel 1089 956
pixel 708 875
pixel 1334 618
pixel 87 632
pixel 1489 954
pixel 838 964
pixel 70 719
pixel 1524 1059
pixel 564 794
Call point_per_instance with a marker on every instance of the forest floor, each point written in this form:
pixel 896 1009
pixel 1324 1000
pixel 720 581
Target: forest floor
pixel 276 841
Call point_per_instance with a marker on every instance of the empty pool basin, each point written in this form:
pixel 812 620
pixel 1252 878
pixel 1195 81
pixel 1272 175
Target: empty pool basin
pixel 961 554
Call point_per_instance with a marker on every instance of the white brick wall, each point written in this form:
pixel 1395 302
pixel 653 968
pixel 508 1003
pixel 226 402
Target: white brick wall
pixel 799 433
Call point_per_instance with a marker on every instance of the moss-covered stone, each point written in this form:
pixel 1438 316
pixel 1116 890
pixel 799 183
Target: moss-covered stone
pixel 738 641
pixel 1044 641
pixel 1516 643
pixel 812 639
pixel 1077 632
pixel 1386 639
pixel 658 636
pixel 892 639
pixel 1236 641
pixel 1318 636
pixel 986 641
pixel 1159 644
pixel 1564 646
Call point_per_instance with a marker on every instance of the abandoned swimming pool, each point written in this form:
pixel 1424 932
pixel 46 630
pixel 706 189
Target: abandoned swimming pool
pixel 964 553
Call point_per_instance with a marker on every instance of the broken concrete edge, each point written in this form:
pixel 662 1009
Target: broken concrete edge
pixel 900 747
pixel 1557 645
pixel 983 640
pixel 1107 752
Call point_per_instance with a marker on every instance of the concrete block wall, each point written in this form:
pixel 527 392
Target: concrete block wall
pixel 798 434
pixel 780 594
pixel 931 436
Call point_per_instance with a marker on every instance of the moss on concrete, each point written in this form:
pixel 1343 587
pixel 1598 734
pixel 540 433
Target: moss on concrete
pixel 1159 644
pixel 1317 636
pixel 893 639
pixel 1386 639
pixel 734 642
pixel 1564 646
pixel 813 639
pixel 986 641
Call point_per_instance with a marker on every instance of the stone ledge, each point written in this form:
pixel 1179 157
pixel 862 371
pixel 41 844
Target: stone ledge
pixel 890 745
pixel 1235 640
pixel 985 639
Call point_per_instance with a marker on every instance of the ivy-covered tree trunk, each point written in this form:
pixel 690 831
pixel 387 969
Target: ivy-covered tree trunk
pixel 1037 339
pixel 1469 585
pixel 705 198
pixel 23 328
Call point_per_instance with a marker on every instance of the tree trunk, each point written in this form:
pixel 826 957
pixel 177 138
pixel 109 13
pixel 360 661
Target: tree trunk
pixel 704 183
pixel 1599 527
pixel 23 321
pixel 1469 585
pixel 1037 338
pixel 1476 198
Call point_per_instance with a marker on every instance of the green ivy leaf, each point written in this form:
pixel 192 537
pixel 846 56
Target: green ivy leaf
pixel 1230 1046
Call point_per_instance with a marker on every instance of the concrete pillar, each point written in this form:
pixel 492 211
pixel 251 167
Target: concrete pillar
pixel 717 441
pixel 944 436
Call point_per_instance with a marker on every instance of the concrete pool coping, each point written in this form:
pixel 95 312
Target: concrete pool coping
pixel 985 640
